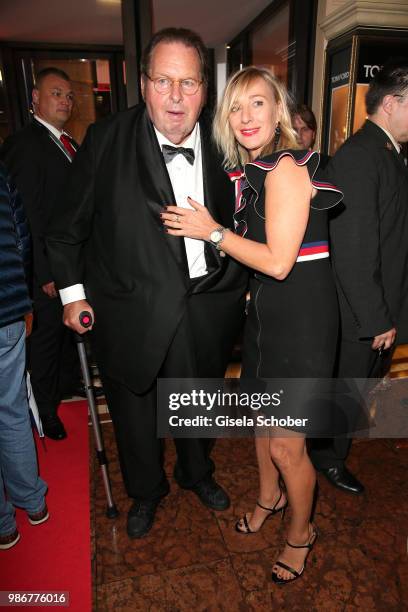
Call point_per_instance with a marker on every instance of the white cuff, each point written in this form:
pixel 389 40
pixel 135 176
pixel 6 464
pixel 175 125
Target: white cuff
pixel 72 294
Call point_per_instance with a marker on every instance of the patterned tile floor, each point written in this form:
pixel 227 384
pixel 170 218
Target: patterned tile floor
pixel 194 560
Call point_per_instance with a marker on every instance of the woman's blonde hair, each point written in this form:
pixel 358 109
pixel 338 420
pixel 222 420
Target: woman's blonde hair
pixel 234 153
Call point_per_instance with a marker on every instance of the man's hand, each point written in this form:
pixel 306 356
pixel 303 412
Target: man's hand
pixel 195 222
pixel 28 318
pixel 71 315
pixel 385 340
pixel 50 290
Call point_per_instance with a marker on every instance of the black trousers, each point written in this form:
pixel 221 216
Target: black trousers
pixel 52 355
pixel 355 360
pixel 192 353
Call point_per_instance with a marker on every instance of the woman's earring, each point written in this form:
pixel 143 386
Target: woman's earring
pixel 277 134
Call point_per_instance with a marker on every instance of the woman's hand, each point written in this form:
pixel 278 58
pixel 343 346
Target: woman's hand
pixel 196 223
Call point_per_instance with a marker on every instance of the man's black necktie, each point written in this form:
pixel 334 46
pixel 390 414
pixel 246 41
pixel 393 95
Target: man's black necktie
pixel 170 152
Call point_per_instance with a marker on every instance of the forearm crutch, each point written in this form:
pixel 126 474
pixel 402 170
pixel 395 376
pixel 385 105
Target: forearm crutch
pixel 85 319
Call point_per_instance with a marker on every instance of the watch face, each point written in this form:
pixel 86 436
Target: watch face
pixel 216 236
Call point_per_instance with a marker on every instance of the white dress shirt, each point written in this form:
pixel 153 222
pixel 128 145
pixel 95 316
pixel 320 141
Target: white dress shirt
pixel 57 133
pixel 186 180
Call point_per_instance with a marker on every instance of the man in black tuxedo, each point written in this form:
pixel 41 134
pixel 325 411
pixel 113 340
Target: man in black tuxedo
pixel 38 158
pixel 163 306
pixel 369 242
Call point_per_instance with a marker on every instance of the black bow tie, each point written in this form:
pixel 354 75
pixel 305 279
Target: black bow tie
pixel 170 152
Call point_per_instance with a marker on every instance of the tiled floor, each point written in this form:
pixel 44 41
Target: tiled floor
pixel 194 560
pixel 399 366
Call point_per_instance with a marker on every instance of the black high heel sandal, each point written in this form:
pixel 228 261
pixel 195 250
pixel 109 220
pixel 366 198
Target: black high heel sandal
pixel 296 574
pixel 271 511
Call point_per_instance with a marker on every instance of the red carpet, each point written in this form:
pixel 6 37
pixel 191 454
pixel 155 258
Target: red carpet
pixel 56 555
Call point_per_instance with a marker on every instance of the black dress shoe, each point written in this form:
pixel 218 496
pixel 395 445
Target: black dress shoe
pixel 341 478
pixel 211 494
pixel 53 427
pixel 140 518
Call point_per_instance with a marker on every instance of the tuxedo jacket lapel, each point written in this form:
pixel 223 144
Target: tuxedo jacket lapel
pixel 155 182
pixel 211 255
pixel 215 197
pixel 45 133
pixel 60 146
pixel 209 172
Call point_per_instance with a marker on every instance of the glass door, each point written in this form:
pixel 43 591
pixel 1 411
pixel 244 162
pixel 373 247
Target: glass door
pixel 97 80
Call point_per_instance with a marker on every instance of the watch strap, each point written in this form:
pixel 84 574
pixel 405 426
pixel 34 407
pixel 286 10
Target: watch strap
pixel 223 232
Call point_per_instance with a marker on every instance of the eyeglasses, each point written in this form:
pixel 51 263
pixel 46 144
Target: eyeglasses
pixel 164 84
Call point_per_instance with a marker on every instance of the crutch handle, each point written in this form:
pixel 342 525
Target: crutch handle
pixel 85 318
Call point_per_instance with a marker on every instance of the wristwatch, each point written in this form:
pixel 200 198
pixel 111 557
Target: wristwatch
pixel 217 236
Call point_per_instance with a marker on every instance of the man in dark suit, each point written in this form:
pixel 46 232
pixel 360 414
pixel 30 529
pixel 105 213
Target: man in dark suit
pixel 163 306
pixel 369 242
pixel 38 158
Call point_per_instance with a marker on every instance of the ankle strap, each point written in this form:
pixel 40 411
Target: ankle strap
pixel 309 545
pixel 270 509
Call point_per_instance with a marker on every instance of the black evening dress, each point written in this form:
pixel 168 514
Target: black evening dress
pixel 292 325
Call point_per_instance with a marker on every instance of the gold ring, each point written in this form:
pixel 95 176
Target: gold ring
pixel 177 219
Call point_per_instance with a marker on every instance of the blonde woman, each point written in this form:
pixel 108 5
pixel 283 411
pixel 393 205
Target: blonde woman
pixel 281 234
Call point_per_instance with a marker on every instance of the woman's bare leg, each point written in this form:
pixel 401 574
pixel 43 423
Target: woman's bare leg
pixel 269 490
pixel 290 457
